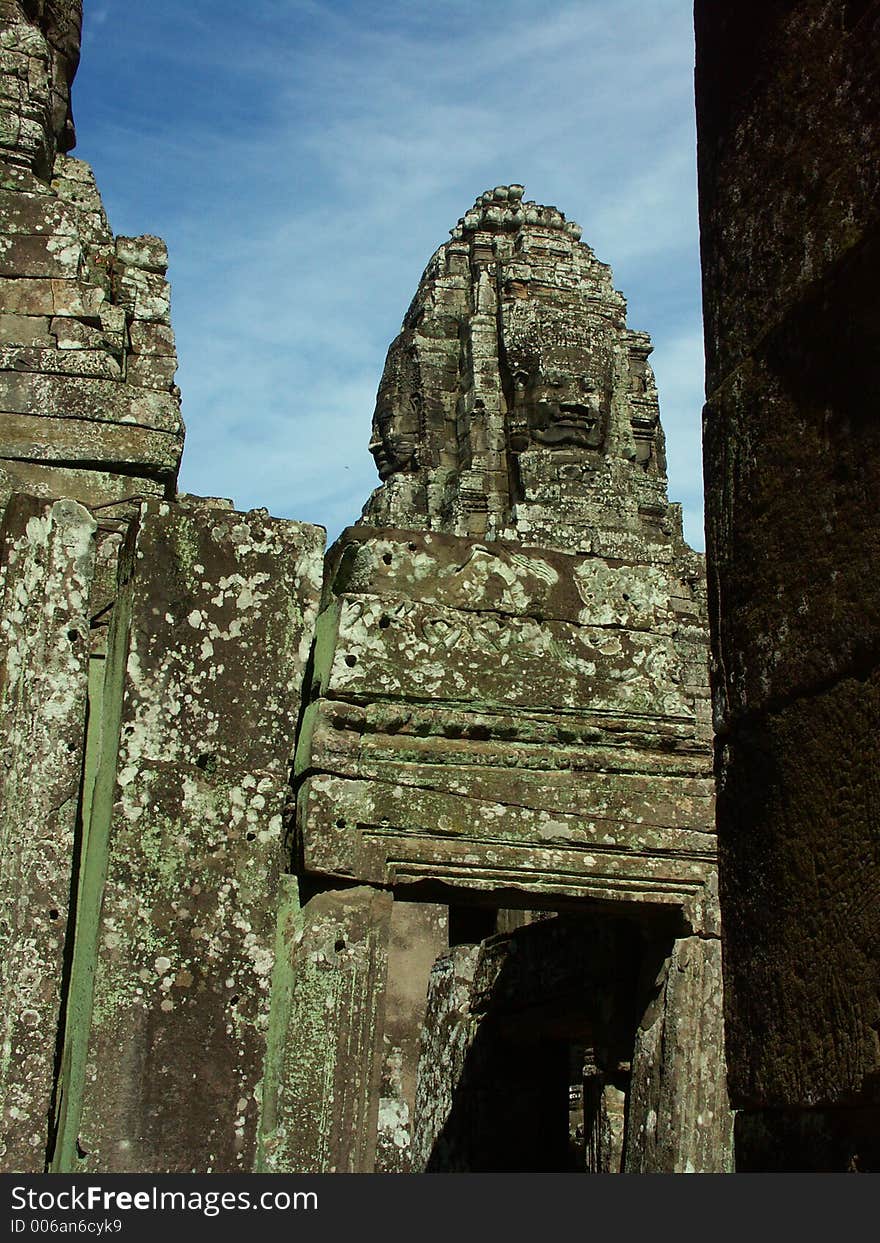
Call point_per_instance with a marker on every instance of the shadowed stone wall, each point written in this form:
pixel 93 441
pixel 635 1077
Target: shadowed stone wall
pixel 788 102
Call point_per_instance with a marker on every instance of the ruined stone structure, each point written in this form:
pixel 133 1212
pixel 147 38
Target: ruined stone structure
pixel 400 860
pixel 87 357
pixel 507 734
pixel 788 106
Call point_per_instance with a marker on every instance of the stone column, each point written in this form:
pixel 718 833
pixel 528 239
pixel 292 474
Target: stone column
pixel 418 936
pixel 788 99
pixel 679 1117
pixel 321 1114
pixel 47 559
pixel 168 1007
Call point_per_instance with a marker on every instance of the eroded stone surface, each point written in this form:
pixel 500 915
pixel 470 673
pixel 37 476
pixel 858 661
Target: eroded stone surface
pixel 186 841
pixel 496 714
pixel 681 1040
pixel 791 261
pixel 515 401
pixel 509 707
pixel 48 560
pixel 87 357
pixel 325 1116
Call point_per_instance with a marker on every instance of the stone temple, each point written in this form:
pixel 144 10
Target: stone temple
pixel 398 859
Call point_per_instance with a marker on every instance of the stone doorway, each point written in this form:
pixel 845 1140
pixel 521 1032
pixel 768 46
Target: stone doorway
pixel 528 1044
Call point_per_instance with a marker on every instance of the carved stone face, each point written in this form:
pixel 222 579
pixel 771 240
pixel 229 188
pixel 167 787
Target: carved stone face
pixel 396 420
pixel 560 408
pixel 393 449
pixel 560 380
pixel 42 52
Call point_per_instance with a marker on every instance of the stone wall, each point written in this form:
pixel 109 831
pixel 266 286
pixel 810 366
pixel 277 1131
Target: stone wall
pixel 788 99
pixel 144 796
pixel 88 404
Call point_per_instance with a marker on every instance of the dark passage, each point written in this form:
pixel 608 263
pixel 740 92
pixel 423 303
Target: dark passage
pixel 533 1050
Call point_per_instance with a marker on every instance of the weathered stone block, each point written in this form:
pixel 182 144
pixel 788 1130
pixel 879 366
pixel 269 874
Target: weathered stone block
pixel 55 255
pixel 418 652
pixel 29 331
pixel 450 1031
pixel 680 1121
pixel 324 1114
pixel 797 605
pixel 508 578
pixel 145 294
pixel 390 834
pixel 67 440
pixel 62 397
pixel 152 339
pixel 773 222
pixel 95 363
pixel 42 296
pixel 418 935
pixel 187 830
pixel 35 214
pixel 48 554
pixel 151 371
pixel 91 488
pixel 146 252
pixel 800 862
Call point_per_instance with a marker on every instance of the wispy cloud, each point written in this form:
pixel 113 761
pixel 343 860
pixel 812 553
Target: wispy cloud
pixel 304 158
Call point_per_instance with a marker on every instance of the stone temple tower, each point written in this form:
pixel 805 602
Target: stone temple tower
pixel 507 749
pixel 515 403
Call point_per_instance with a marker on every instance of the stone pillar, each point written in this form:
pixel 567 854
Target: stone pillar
pixel 47 558
pixel 321 1116
pixel 184 849
pixel 788 100
pixel 679 1117
pixel 418 936
pixel 449 1033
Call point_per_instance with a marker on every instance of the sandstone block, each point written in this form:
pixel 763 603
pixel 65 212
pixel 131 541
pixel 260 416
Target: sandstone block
pixel 48 555
pixel 185 844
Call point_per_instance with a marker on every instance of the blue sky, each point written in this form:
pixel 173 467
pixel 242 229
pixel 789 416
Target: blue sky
pixel 304 158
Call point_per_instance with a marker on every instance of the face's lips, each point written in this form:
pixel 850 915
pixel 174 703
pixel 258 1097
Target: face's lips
pixel 577 413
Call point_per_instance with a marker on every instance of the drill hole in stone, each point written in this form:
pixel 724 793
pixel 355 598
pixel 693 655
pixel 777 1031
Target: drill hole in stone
pixel 340 824
pixel 73 636
pixel 251 837
pixel 234 999
pixel 387 558
pixel 53 914
pixel 351 661
pixel 384 622
pixel 339 945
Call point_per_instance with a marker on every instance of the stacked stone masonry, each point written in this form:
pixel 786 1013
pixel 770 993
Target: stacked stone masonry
pixel 88 404
pixel 788 101
pixel 397 860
